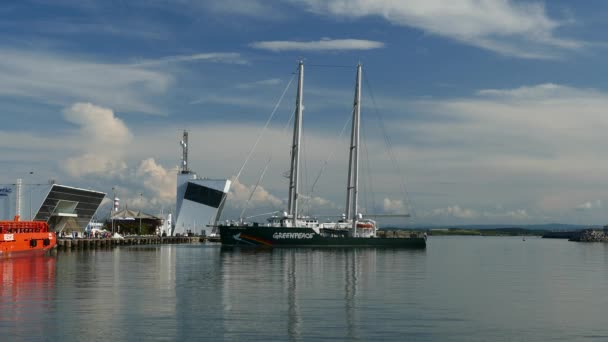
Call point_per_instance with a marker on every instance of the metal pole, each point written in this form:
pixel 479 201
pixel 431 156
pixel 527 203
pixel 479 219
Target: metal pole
pixel 31 218
pixel 112 210
pixel 356 129
pixel 295 150
pixel 142 198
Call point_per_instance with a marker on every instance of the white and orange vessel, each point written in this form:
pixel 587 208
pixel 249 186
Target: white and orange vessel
pixel 25 238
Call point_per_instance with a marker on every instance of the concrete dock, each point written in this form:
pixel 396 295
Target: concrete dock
pixel 69 244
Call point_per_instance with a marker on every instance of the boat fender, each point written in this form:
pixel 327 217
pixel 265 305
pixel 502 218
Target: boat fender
pixel 46 242
pixel 33 243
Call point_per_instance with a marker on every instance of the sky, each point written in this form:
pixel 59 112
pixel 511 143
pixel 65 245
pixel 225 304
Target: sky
pixel 473 111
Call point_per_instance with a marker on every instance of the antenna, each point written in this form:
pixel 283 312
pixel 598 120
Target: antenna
pixel 184 144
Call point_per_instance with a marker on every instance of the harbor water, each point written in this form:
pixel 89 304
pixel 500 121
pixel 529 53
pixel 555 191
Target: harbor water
pixel 458 289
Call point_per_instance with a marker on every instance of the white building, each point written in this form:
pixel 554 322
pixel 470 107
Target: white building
pixel 199 201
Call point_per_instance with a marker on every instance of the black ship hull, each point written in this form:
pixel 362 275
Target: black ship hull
pixel 253 236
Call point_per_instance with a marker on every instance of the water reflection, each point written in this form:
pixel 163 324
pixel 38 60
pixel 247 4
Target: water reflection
pixel 27 294
pixel 267 286
pixel 294 321
pixel 350 293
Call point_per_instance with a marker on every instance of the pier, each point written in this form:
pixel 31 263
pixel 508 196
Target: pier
pixel 70 244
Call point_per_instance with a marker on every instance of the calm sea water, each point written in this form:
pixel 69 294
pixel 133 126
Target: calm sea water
pixel 459 289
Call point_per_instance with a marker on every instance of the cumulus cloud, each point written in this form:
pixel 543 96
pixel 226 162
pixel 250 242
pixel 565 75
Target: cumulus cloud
pixel 325 44
pixel 455 211
pixel 239 195
pixel 316 204
pixel 102 136
pixel 520 29
pixel 393 206
pixel 98 125
pixel 518 214
pixel 104 141
pixel 92 163
pixel 160 181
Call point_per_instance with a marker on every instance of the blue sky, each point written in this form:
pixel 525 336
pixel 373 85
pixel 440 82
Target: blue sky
pixel 495 108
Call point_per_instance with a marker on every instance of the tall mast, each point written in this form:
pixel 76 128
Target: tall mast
pixel 295 149
pixel 352 190
pixel 184 144
pixel 18 197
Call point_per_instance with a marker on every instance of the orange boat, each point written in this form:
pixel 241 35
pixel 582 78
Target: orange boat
pixel 25 238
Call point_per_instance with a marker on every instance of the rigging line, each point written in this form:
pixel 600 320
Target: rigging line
pixel 276 106
pixel 304 180
pixel 236 178
pixel 264 214
pixel 266 167
pixel 329 66
pixel 255 188
pixel 330 156
pixel 371 192
pixel 387 139
pixel 365 196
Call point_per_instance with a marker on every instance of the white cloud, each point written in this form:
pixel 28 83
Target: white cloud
pixel 454 211
pixel 98 126
pixel 215 57
pixel 267 82
pixel 509 216
pixel 325 44
pixel 316 204
pixel 597 204
pixel 247 8
pixel 159 181
pixel 525 147
pixel 62 79
pixel 460 214
pixel 103 138
pixel 547 128
pixel 90 163
pixel 104 143
pixel 511 28
pixel 239 197
pixel 393 206
pixel 58 79
pixel 538 147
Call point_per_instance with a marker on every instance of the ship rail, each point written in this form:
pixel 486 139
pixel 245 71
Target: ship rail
pixel 16 227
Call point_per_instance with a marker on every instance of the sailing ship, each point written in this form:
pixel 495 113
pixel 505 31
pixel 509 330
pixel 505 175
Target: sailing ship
pixel 25 238
pixel 294 230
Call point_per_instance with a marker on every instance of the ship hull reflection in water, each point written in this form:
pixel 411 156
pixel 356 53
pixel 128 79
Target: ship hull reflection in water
pixel 26 295
pixel 299 292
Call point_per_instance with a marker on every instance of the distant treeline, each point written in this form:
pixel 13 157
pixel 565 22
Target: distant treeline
pixel 515 231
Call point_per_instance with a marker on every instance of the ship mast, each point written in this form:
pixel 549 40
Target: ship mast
pixel 295 150
pixel 352 189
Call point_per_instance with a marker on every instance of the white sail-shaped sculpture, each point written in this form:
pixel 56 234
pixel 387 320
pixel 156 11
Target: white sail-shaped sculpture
pixel 199 201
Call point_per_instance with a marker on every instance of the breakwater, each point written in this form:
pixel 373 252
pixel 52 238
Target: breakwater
pixel 591 235
pixel 69 244
pixel 570 235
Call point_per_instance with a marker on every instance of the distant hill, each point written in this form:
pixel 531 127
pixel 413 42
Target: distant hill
pixel 549 229
pixel 536 227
